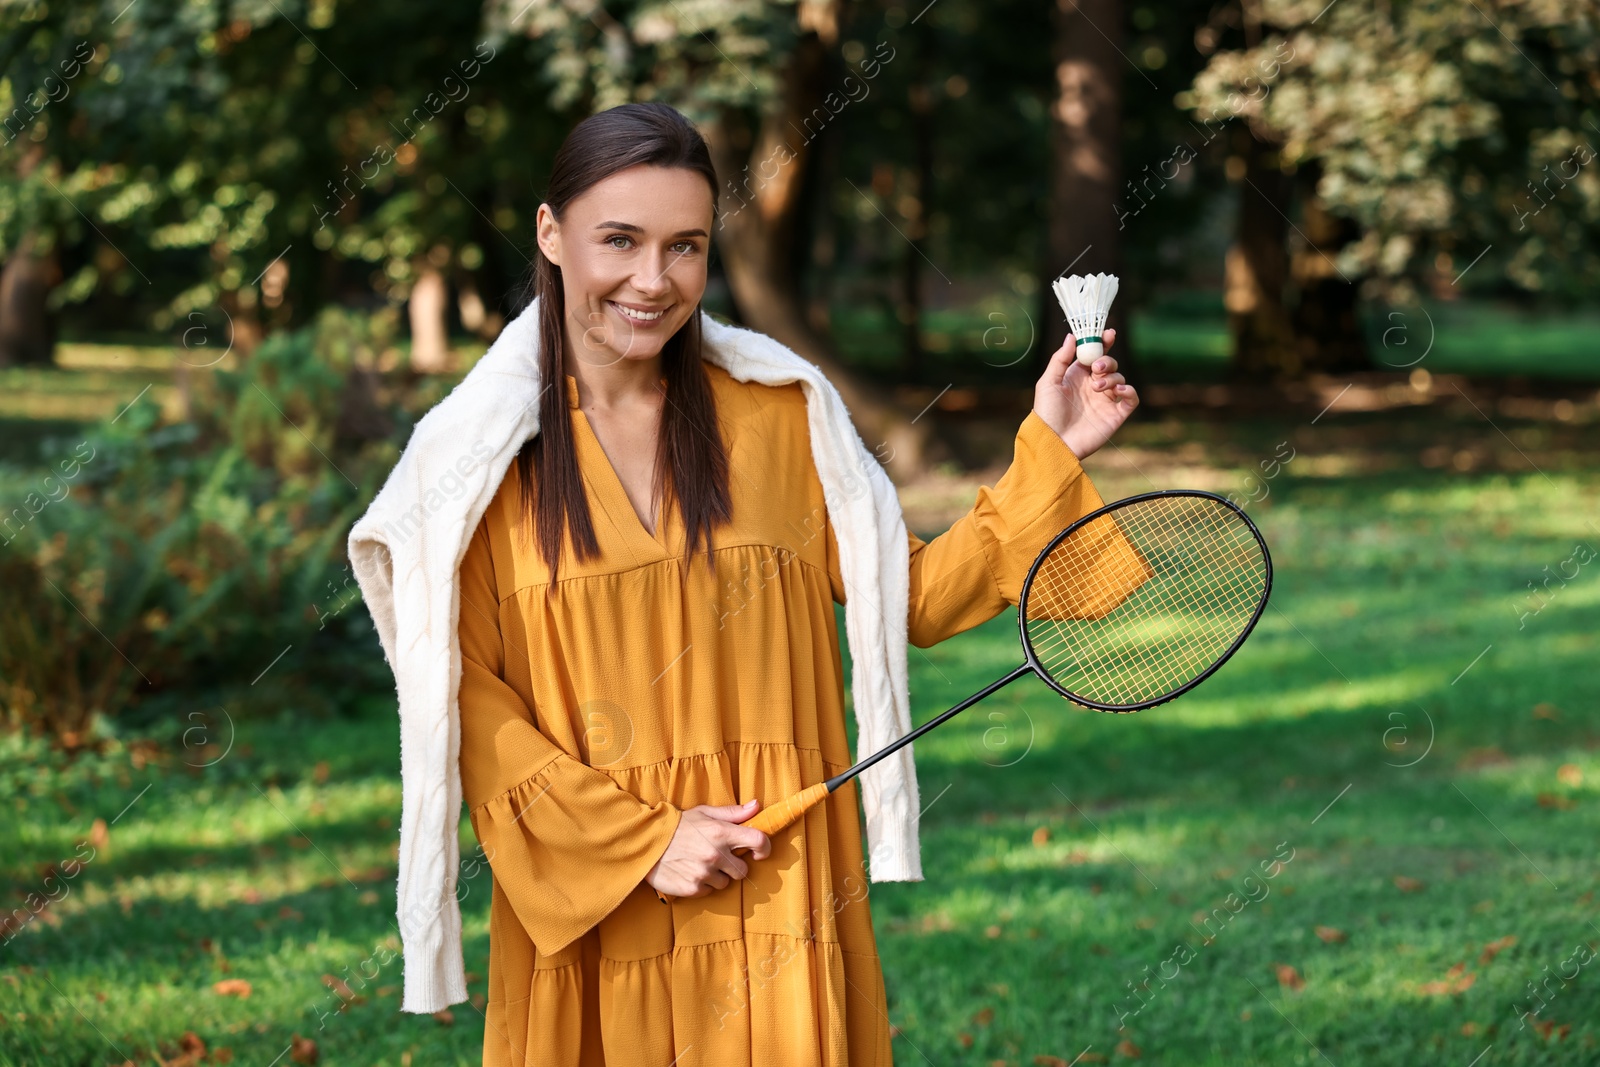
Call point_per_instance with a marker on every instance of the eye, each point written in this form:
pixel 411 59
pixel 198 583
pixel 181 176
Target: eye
pixel 616 237
pixel 687 246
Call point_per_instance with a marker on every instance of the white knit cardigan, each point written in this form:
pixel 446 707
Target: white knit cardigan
pixel 407 549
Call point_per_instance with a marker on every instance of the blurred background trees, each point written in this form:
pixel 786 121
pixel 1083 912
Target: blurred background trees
pixel 243 166
pixel 333 203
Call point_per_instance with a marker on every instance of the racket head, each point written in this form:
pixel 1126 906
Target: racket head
pixel 1094 602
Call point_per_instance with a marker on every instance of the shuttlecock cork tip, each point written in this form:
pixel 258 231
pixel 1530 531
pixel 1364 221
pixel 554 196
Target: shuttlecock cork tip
pixel 1086 299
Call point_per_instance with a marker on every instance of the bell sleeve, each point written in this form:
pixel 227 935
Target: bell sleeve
pixel 974 570
pixel 565 842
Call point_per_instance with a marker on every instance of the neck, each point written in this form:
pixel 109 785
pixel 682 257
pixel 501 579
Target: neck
pixel 607 381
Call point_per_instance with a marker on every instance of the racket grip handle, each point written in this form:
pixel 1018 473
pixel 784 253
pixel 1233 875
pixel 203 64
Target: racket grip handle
pixel 771 820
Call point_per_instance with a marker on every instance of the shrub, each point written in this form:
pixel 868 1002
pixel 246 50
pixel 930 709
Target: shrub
pixel 203 563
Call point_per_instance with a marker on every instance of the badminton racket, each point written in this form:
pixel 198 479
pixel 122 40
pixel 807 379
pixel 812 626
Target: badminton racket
pixel 1130 606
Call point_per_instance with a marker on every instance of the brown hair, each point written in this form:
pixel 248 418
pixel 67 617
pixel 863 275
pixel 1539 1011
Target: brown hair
pixel 691 465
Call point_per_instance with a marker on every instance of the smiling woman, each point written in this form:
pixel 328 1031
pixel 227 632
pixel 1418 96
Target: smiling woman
pixel 618 724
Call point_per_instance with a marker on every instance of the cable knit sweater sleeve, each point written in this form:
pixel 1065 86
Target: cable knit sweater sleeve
pixel 569 842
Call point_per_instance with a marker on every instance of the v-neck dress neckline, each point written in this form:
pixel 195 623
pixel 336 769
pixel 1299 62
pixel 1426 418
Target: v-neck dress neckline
pixel 614 497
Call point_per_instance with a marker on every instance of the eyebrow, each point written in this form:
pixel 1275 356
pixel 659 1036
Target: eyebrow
pixel 639 229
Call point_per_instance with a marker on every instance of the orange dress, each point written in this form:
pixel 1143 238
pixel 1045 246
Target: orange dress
pixel 592 720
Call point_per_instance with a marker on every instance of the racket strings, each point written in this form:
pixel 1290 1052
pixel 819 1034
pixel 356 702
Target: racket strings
pixel 1142 600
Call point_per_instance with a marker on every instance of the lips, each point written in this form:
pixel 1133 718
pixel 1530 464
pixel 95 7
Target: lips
pixel 638 314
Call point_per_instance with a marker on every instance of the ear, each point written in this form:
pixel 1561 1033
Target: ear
pixel 549 234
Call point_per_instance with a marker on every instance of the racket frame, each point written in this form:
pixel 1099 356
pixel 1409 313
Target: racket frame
pixel 1036 667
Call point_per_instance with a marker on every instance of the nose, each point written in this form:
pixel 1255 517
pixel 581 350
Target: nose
pixel 651 278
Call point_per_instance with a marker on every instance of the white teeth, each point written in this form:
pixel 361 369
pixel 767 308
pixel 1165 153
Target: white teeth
pixel 639 315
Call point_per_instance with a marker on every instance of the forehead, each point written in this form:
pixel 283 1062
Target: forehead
pixel 656 199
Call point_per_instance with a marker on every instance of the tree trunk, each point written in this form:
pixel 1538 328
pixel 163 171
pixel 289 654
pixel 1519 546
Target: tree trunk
pixel 27 329
pixel 1086 162
pixel 1328 334
pixel 758 226
pixel 1257 268
pixel 915 204
pixel 430 341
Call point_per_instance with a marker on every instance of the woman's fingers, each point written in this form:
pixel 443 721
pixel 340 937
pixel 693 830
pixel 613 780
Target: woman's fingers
pixel 732 865
pixel 731 812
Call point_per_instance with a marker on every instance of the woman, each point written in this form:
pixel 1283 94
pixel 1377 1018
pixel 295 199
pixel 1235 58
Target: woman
pixel 652 590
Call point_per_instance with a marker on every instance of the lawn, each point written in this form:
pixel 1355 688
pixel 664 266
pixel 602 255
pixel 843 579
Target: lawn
pixel 1407 746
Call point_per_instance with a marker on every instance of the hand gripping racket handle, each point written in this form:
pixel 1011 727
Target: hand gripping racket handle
pixel 771 820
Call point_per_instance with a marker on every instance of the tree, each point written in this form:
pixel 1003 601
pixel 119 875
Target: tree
pixel 200 166
pixel 1437 148
pixel 1086 146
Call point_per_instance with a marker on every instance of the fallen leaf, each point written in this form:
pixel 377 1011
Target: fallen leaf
pixel 1457 980
pixel 1049 1061
pixel 445 1016
pixel 984 1016
pixel 303 1050
pixel 339 987
pixel 992 932
pixel 1469 1029
pixel 1546 711
pixel 231 987
pixel 1407 885
pixel 1494 948
pixel 1099 950
pixel 1331 934
pixel 1145 922
pixel 1555 800
pixel 319 773
pixel 1482 757
pixel 1289 978
pixel 222 1055
pixel 286 912
pixel 965 1039
pixel 1127 1048
pixel 1570 774
pixel 99 836
pixel 1041 836
pixel 1547 1028
pixel 251 895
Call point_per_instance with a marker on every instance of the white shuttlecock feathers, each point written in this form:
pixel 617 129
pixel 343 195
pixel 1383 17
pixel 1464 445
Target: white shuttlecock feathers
pixel 1086 301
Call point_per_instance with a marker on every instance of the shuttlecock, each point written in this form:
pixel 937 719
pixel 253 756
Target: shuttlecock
pixel 1086 301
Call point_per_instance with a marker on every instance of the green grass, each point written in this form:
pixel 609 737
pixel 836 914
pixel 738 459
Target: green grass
pixel 1187 339
pixel 1066 851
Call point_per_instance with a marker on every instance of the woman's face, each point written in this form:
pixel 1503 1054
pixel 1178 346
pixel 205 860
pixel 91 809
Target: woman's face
pixel 632 251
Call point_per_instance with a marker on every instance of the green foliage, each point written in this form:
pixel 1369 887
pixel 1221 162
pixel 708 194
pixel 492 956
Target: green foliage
pixel 186 560
pixel 1442 129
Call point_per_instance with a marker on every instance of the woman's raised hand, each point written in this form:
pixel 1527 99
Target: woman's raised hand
pixel 700 856
pixel 1084 405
